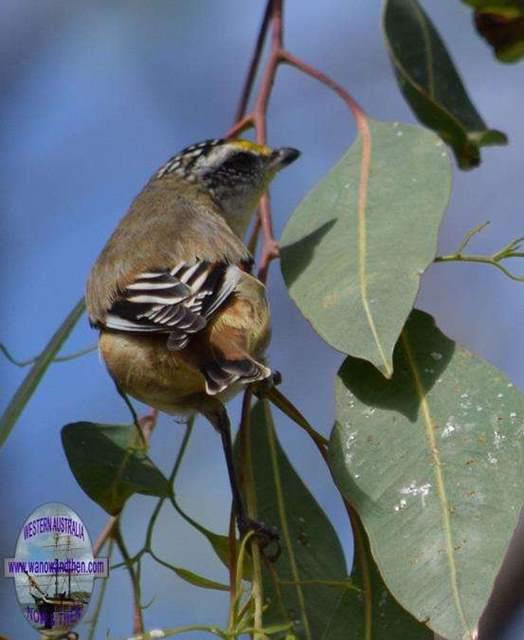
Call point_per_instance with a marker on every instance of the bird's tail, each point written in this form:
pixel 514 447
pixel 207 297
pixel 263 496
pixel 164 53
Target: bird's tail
pixel 221 373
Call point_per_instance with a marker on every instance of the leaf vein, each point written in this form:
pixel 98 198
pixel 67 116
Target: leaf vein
pixel 424 27
pixel 283 521
pixel 365 163
pixel 439 477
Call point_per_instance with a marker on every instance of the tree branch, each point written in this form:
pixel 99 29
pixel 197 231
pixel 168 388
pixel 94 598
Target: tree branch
pixel 511 250
pixel 253 66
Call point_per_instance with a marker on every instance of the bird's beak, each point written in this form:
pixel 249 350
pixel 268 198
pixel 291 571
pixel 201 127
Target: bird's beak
pixel 282 157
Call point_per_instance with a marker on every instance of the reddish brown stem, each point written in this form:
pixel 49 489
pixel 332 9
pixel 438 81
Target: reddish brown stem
pixel 242 125
pixel 105 534
pixel 254 64
pixel 357 111
pixel 268 77
pixel 148 423
pixel 270 249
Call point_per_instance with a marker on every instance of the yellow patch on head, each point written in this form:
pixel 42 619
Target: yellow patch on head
pixel 247 145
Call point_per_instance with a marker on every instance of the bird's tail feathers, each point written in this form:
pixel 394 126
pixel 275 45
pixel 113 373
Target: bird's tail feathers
pixel 221 373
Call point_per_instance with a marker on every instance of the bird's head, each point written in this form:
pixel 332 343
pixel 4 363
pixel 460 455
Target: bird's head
pixel 235 173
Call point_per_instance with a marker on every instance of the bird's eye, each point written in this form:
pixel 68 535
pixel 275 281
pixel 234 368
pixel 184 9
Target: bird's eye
pixel 241 161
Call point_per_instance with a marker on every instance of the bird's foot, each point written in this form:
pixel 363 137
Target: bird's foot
pixel 265 537
pixel 276 378
pixel 264 386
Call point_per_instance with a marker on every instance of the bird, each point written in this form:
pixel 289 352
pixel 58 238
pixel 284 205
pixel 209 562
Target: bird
pixel 183 323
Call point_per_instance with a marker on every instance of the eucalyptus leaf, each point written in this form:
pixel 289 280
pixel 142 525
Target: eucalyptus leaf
pixel 199 581
pixel 373 613
pixel 31 381
pixel 310 549
pixel 431 84
pixel 432 462
pixel 110 465
pixel 356 246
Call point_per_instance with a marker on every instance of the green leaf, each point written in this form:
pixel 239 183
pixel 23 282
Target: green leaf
pixel 109 465
pixel 198 580
pixel 430 83
pixel 356 246
pixel 432 462
pixel 374 613
pixel 310 552
pixel 30 383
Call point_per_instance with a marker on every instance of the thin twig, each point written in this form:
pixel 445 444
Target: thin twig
pixel 268 77
pixel 148 423
pixel 471 234
pixel 134 415
pixel 511 250
pixel 253 65
pixel 105 535
pixel 357 111
pixel 138 619
pixel 270 247
pixel 66 358
pixel 244 124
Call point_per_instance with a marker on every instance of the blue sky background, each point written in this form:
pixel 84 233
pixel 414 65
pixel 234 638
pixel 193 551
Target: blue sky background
pixel 96 96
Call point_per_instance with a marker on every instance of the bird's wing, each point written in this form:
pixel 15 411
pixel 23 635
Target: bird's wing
pixel 177 302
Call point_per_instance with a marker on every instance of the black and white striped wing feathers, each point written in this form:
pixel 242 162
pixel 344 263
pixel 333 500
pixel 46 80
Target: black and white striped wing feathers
pixel 177 302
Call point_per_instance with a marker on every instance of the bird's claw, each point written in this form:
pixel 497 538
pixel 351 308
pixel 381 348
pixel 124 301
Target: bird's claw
pixel 264 535
pixel 264 386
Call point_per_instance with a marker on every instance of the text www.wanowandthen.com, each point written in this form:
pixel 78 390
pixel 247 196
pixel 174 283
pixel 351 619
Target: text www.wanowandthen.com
pixel 97 568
